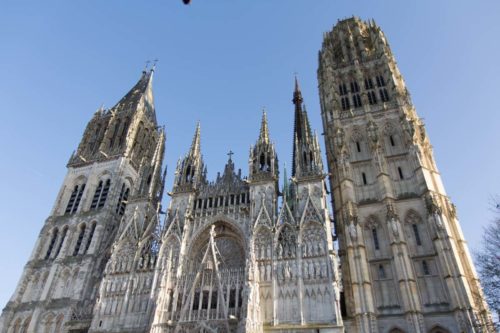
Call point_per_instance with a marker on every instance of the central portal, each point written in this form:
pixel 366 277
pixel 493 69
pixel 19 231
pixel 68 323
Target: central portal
pixel 214 281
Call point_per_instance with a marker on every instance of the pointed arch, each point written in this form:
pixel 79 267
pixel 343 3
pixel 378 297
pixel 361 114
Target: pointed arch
pixel 438 329
pixel 285 216
pixel 312 238
pixel 286 242
pixel 375 236
pixel 61 241
pixel 75 195
pixel 417 233
pixel 263 243
pixel 263 218
pixel 396 330
pixel 311 213
pixel 79 240
pixel 412 216
pixel 52 243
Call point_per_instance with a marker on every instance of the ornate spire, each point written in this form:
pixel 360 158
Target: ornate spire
pixel 297 95
pixel 190 169
pixel 306 159
pixel 194 150
pixel 263 159
pixel 264 131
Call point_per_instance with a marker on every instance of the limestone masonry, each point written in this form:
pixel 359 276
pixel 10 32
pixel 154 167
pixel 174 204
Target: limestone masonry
pixel 239 254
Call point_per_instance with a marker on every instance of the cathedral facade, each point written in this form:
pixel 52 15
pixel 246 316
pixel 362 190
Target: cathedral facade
pixel 239 253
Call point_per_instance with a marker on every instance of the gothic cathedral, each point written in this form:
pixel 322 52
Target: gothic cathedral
pixel 241 254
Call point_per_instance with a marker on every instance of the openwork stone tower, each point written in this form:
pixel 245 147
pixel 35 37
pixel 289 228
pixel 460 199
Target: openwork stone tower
pixel 405 264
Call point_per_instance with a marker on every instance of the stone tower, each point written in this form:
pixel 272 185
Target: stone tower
pixel 405 264
pixel 115 172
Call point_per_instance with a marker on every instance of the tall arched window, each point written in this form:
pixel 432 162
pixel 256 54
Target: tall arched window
pixel 104 194
pixel 91 235
pixel 425 268
pixel 416 233
pixel 381 272
pixel 79 240
pixel 61 242
pixel 52 243
pixel 74 199
pixel 376 244
pixel 97 194
pixel 122 200
pixel 101 194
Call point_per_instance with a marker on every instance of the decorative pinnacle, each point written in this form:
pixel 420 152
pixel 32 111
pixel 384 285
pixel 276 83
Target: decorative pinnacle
pixel 297 94
pixel 195 145
pixel 264 131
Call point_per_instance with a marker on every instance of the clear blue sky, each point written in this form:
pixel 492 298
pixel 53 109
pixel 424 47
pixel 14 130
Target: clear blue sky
pixel 221 61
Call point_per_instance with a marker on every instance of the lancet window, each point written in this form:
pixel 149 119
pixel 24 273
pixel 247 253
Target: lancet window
pixel 79 239
pixel 74 199
pixel 416 234
pixel 287 243
pixel 122 200
pixel 101 194
pixel 52 243
pixel 376 243
pixel 89 238
pixel 61 242
pixel 384 95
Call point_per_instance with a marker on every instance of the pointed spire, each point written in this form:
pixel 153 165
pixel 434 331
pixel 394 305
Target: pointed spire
pixel 263 159
pixel 264 131
pixel 297 94
pixel 286 187
pixel 304 149
pixel 195 145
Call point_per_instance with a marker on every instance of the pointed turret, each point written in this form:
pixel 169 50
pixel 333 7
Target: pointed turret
pixel 306 160
pixel 190 169
pixel 263 159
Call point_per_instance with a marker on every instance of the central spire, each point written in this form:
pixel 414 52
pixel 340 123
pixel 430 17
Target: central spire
pixel 306 159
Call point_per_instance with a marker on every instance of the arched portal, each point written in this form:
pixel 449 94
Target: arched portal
pixel 210 289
